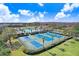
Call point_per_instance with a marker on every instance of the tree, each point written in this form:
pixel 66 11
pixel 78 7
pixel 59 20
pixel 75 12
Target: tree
pixel 7 34
pixel 3 49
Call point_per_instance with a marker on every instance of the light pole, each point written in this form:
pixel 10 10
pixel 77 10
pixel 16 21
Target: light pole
pixel 43 43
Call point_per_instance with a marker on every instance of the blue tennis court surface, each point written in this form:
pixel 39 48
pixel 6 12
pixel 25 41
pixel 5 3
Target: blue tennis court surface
pixel 36 44
pixel 37 39
pixel 26 37
pixel 39 36
pixel 48 39
pixel 44 37
pixel 54 35
pixel 51 34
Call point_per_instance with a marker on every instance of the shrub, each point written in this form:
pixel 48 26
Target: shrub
pixel 53 54
pixel 66 44
pixel 62 49
pixel 24 51
pixel 72 42
pixel 3 49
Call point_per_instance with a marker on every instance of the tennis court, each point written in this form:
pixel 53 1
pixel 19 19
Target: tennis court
pixel 36 42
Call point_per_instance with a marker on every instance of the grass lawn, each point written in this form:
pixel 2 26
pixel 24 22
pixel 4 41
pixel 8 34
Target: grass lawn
pixel 76 29
pixel 71 48
pixel 18 52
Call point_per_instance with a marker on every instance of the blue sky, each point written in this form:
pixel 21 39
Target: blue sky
pixel 39 12
pixel 49 7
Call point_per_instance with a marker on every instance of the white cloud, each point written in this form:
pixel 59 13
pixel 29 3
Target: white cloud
pixel 34 19
pixel 4 10
pixel 6 16
pixel 1 20
pixel 10 18
pixel 25 12
pixel 37 18
pixel 34 16
pixel 75 5
pixel 41 15
pixel 70 7
pixel 60 15
pixel 41 4
pixel 67 7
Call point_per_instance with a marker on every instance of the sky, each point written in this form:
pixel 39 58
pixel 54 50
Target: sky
pixel 39 12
